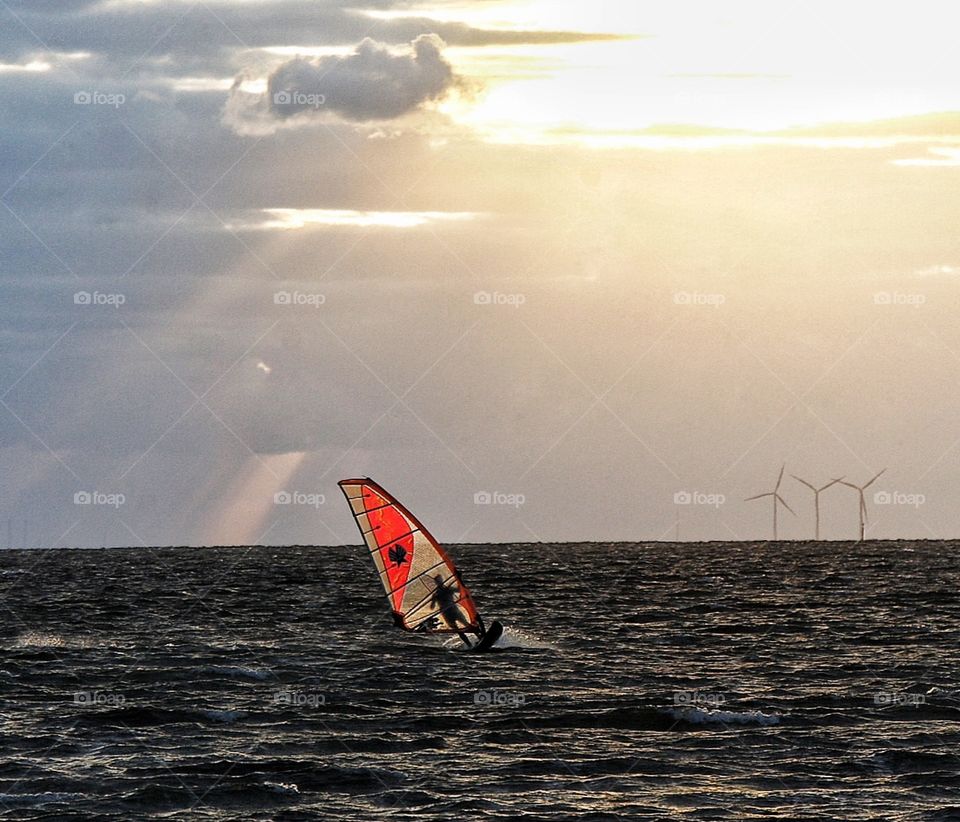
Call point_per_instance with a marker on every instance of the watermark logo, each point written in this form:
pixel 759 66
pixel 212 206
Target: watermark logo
pixel 98 498
pixel 298 498
pixel 898 498
pixel 299 99
pixel 698 498
pixel 98 698
pixel 299 699
pixel 99 98
pixel 498 298
pixel 502 699
pixel 698 698
pixel 889 698
pixel 98 298
pixel 299 298
pixel 498 498
pixel 699 298
pixel 899 298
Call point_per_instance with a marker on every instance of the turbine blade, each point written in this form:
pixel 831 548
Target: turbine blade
pixel 874 479
pixel 803 481
pixel 783 502
pixel 849 485
pixel 758 496
pixel 780 477
pixel 832 482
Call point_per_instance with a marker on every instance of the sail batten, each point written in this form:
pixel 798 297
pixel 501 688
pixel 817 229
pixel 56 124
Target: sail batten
pixel 420 581
pixel 394 590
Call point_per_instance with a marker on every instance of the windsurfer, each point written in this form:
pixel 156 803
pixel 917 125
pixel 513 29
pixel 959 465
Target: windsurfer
pixel 444 598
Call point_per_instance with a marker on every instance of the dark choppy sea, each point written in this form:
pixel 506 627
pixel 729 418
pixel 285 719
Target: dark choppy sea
pixel 646 681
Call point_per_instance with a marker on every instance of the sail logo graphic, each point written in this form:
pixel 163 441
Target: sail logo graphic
pixel 298 498
pixel 398 555
pixel 498 498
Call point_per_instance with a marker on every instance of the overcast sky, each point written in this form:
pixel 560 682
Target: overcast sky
pixel 609 264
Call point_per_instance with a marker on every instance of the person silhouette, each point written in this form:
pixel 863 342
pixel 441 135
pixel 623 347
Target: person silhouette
pixel 445 600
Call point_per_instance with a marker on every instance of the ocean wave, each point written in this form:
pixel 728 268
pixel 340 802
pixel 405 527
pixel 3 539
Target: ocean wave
pixel 38 639
pixel 698 716
pixel 224 716
pixel 282 788
pixel 238 672
pixel 148 717
pixel 51 640
pixel 407 730
pixel 512 639
pixel 36 799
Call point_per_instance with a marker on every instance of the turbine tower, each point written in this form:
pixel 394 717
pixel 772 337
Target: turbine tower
pixel 777 500
pixel 816 499
pixel 863 503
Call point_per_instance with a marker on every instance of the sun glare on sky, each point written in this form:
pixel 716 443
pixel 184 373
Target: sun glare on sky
pixel 743 65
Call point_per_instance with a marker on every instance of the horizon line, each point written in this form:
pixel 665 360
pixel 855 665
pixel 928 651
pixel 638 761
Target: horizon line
pixel 614 542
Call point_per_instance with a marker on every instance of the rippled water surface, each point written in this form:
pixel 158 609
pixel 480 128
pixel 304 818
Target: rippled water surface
pixel 647 681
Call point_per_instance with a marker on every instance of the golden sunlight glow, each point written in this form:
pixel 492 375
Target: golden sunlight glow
pixel 308 51
pixel 204 84
pixel 750 64
pixel 940 157
pixel 249 501
pixel 285 219
pixel 32 66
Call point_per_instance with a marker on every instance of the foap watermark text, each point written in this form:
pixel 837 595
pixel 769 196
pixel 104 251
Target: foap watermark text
pixel 299 498
pixel 498 498
pixel 503 699
pixel 99 498
pixel 499 298
pixel 698 498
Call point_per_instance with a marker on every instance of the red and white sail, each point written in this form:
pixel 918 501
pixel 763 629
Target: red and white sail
pixel 411 563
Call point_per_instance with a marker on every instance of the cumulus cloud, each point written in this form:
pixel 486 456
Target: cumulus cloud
pixel 373 83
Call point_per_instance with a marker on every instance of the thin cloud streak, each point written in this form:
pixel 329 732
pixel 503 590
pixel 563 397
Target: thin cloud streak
pixel 286 219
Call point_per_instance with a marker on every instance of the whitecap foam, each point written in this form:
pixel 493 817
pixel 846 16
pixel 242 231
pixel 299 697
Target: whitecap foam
pixel 283 788
pixel 698 716
pixel 44 639
pixel 37 639
pixel 511 638
pixel 516 638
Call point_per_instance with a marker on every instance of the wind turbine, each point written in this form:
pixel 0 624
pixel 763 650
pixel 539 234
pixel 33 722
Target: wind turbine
pixel 775 494
pixel 863 503
pixel 816 499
